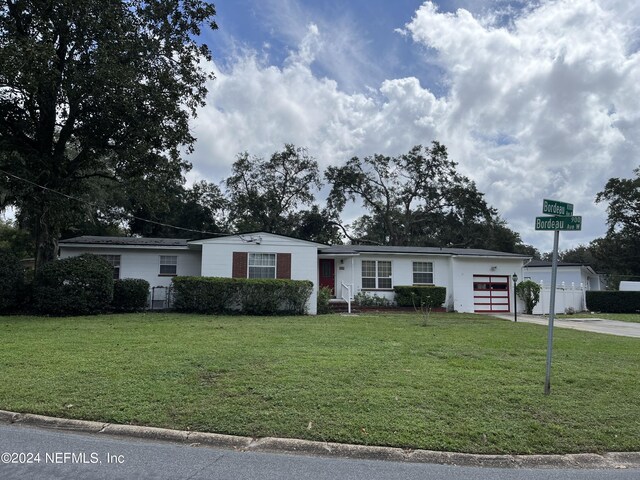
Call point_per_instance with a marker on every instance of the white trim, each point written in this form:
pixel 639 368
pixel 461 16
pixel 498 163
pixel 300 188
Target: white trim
pixel 264 235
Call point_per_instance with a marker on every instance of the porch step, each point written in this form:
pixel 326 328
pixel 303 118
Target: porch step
pixel 341 306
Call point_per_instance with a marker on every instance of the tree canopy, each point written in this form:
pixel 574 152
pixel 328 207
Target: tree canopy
pixel 619 250
pixel 418 198
pixel 95 95
pixel 617 254
pixel 271 194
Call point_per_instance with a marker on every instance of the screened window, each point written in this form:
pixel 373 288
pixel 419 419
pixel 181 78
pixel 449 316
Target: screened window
pixel 114 261
pixel 422 273
pixel 376 274
pixel 262 265
pixel 168 265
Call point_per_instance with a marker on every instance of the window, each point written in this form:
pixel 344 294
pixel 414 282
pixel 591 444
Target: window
pixel 168 265
pixel 114 261
pixel 422 273
pixel 376 274
pixel 262 265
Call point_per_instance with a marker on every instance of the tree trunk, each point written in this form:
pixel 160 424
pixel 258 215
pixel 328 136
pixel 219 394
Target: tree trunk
pixel 47 236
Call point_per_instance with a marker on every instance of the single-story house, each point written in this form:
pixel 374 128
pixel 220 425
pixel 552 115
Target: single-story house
pixel 576 274
pixel 476 280
pixel 573 280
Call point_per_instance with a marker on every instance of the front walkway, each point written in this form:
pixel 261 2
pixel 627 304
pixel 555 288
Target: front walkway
pixel 595 325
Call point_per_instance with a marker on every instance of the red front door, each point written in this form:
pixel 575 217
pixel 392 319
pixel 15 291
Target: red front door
pixel 327 273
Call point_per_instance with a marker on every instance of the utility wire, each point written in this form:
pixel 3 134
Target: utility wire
pixel 71 197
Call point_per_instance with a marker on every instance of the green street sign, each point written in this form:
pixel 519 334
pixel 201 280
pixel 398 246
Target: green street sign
pixel 559 223
pixel 561 209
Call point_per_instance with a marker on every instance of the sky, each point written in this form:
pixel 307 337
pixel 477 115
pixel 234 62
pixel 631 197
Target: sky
pixel 533 99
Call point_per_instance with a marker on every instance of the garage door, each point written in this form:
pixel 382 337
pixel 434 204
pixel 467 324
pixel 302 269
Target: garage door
pixel 491 293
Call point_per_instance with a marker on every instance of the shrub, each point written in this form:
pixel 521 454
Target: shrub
pixel 324 295
pixel 241 295
pixel 420 296
pixel 294 295
pixel 613 302
pixel 74 286
pixel 363 299
pixel 529 293
pixel 11 281
pixel 130 295
pixel 205 294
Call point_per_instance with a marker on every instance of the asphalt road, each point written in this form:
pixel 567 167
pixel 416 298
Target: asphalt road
pixel 69 455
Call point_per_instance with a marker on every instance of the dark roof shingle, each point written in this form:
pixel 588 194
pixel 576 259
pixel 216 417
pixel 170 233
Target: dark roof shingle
pixel 472 252
pixel 133 241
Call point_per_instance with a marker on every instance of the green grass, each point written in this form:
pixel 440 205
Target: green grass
pixel 623 317
pixel 462 383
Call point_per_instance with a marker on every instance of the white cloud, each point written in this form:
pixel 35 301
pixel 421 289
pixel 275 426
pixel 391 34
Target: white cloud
pixel 548 107
pixel 538 110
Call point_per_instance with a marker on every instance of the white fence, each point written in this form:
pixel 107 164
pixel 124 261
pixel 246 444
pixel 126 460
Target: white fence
pixel 568 296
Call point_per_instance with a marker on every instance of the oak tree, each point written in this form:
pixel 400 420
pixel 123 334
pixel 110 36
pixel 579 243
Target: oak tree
pixel 417 198
pixel 95 94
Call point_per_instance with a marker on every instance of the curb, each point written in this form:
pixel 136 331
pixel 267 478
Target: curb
pixel 613 460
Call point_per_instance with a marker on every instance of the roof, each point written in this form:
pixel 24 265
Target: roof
pixel 543 263
pixel 251 237
pixel 132 241
pixel 471 252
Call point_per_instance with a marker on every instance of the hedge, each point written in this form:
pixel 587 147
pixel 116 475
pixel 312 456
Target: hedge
pixel 74 286
pixel 130 295
pixel 613 302
pixel 11 281
pixel 429 296
pixel 241 295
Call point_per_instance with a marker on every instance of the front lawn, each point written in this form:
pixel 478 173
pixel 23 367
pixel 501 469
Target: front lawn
pixel 462 383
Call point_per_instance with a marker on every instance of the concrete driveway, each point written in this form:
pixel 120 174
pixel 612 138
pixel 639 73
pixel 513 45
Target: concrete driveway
pixel 595 325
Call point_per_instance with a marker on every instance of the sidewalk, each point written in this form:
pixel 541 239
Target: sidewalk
pixel 594 325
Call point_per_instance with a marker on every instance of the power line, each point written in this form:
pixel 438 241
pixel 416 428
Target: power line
pixel 71 197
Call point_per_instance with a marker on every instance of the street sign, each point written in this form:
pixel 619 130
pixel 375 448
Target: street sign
pixel 562 219
pixel 561 209
pixel 559 223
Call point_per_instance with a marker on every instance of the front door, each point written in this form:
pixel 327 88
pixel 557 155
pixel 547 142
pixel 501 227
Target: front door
pixel 327 269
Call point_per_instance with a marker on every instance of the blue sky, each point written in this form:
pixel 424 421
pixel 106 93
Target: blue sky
pixel 274 28
pixel 533 99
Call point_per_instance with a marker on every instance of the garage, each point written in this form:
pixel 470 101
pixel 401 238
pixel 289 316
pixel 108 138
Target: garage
pixel 491 293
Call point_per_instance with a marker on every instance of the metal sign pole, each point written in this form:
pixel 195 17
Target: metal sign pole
pixel 552 311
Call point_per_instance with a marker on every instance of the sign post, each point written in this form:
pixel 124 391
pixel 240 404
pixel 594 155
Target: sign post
pixel 563 219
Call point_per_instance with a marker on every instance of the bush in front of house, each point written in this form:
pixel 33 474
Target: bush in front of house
pixel 293 295
pixel 420 296
pixel 529 293
pixel 74 286
pixel 205 294
pixel 613 302
pixel 11 281
pixel 130 295
pixel 365 299
pixel 241 295
pixel 324 295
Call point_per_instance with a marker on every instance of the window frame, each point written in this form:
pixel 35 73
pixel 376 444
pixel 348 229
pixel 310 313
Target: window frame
pixel 111 259
pixel 252 265
pixel 427 272
pixel 366 280
pixel 163 263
